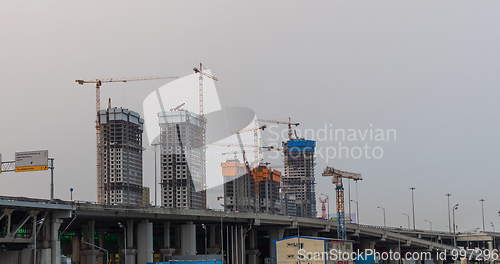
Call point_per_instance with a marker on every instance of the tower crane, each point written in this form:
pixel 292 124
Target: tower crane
pixel 98 83
pixel 291 131
pixel 256 141
pixel 339 189
pixel 201 73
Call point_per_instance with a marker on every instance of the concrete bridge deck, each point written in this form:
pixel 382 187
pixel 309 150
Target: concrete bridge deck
pixel 52 219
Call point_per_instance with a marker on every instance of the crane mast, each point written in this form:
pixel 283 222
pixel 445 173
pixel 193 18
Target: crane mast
pixel 200 90
pixel 201 73
pixel 339 192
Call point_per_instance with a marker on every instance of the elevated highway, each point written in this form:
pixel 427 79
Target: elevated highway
pixel 62 227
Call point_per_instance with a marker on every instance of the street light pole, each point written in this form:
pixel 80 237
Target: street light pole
pixel 124 240
pixel 482 211
pixel 357 200
pixel 383 210
pixel 51 167
pixel 449 220
pixel 455 207
pixel 349 198
pixel 413 205
pixel 357 210
pixel 155 145
pixel 408 216
pixel 222 230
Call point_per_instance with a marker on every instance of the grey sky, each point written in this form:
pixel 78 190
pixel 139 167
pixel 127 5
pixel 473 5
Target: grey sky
pixel 428 69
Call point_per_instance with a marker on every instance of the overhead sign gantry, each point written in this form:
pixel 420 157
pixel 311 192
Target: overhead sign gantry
pixel 32 160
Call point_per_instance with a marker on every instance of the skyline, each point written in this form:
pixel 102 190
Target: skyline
pixel 348 64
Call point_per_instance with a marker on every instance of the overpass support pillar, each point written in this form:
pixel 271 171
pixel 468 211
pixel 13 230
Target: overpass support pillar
pixel 274 234
pixel 188 239
pixel 252 251
pixel 145 242
pixel 89 253
pixel 490 248
pixel 367 244
pixel 75 250
pixel 212 238
pixel 394 249
pixel 129 253
pixel 167 250
pixel 55 243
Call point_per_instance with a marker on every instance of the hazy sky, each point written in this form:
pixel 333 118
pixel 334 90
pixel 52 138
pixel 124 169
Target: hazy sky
pixel 428 69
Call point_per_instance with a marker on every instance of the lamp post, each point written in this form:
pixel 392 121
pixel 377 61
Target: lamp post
pixel 482 211
pixel 455 207
pixel 204 227
pixel 222 229
pixel 449 219
pixel 357 210
pixel 155 146
pixel 357 198
pixel 71 193
pixel 430 223
pixel 413 205
pixel 383 211
pixel 408 216
pixel 349 198
pixel 124 240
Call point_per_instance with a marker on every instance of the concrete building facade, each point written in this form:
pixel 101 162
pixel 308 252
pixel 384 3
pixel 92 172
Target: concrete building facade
pixel 120 153
pixel 267 183
pixel 183 169
pixel 257 191
pixel 239 194
pixel 297 183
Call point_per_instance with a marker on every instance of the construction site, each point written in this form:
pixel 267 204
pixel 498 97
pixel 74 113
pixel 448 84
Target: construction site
pixel 267 209
pixel 257 193
pixel 248 185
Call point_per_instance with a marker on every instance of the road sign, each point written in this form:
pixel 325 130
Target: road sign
pixel 32 160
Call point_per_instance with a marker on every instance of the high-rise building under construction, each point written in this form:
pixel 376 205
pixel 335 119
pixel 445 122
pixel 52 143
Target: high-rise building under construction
pixel 267 183
pixel 297 183
pixel 257 191
pixel 182 145
pixel 120 152
pixel 239 187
